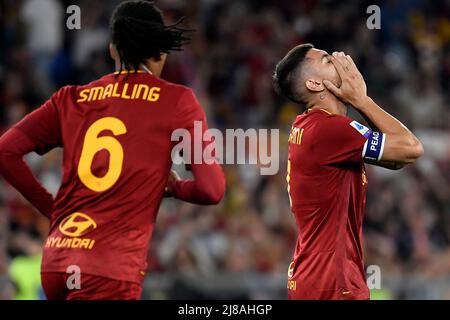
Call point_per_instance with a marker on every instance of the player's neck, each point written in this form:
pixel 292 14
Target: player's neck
pixel 147 67
pixel 152 67
pixel 332 106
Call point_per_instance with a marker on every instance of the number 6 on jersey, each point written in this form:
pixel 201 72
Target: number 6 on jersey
pixel 93 144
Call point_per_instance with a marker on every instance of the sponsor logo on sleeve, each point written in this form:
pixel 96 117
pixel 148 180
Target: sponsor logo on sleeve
pixel 363 130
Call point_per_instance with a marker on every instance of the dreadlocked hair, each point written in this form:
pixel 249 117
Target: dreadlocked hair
pixel 139 33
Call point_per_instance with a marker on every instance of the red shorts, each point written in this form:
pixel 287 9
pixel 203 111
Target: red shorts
pixel 91 288
pixel 326 295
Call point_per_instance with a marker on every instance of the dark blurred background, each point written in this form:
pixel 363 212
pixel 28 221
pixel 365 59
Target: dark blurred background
pixel 242 248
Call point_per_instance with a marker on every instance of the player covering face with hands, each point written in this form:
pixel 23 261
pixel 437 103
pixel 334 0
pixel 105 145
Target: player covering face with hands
pixel 116 135
pixel 401 146
pixel 326 177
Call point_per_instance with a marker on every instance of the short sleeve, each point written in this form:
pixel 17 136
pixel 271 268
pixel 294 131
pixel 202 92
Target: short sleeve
pixel 340 140
pixel 188 110
pixel 42 126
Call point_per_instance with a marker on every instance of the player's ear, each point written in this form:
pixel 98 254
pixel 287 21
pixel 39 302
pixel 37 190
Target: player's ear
pixel 159 59
pixel 314 85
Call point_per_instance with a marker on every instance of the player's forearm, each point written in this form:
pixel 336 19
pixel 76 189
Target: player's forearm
pixel 397 144
pixel 369 122
pixel 207 187
pixel 406 147
pixel 13 146
pixel 21 178
pixel 381 119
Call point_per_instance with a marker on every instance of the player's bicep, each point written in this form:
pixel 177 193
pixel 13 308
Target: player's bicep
pixel 378 152
pixel 341 140
pixel 373 149
pixel 392 151
pixel 386 164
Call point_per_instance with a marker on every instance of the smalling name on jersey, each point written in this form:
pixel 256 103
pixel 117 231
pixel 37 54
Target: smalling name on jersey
pixel 138 91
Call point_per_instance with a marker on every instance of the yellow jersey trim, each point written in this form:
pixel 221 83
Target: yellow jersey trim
pixel 326 111
pixel 131 71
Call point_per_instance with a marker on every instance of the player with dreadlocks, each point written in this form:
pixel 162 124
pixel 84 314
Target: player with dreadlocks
pixel 116 134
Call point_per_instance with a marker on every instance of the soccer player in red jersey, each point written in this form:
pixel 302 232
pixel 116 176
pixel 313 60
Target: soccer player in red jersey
pixel 116 134
pixel 326 174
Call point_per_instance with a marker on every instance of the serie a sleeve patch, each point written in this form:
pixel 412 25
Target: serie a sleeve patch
pixel 363 130
pixel 374 146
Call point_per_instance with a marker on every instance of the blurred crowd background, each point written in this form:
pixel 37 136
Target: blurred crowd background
pixel 242 247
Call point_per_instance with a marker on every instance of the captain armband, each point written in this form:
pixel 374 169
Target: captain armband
pixel 374 146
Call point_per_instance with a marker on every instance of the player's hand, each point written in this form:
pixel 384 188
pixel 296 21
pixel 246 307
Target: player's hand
pixel 353 88
pixel 171 181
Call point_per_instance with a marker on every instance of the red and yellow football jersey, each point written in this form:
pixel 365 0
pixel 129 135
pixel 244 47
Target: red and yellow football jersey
pixel 327 185
pixel 116 135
